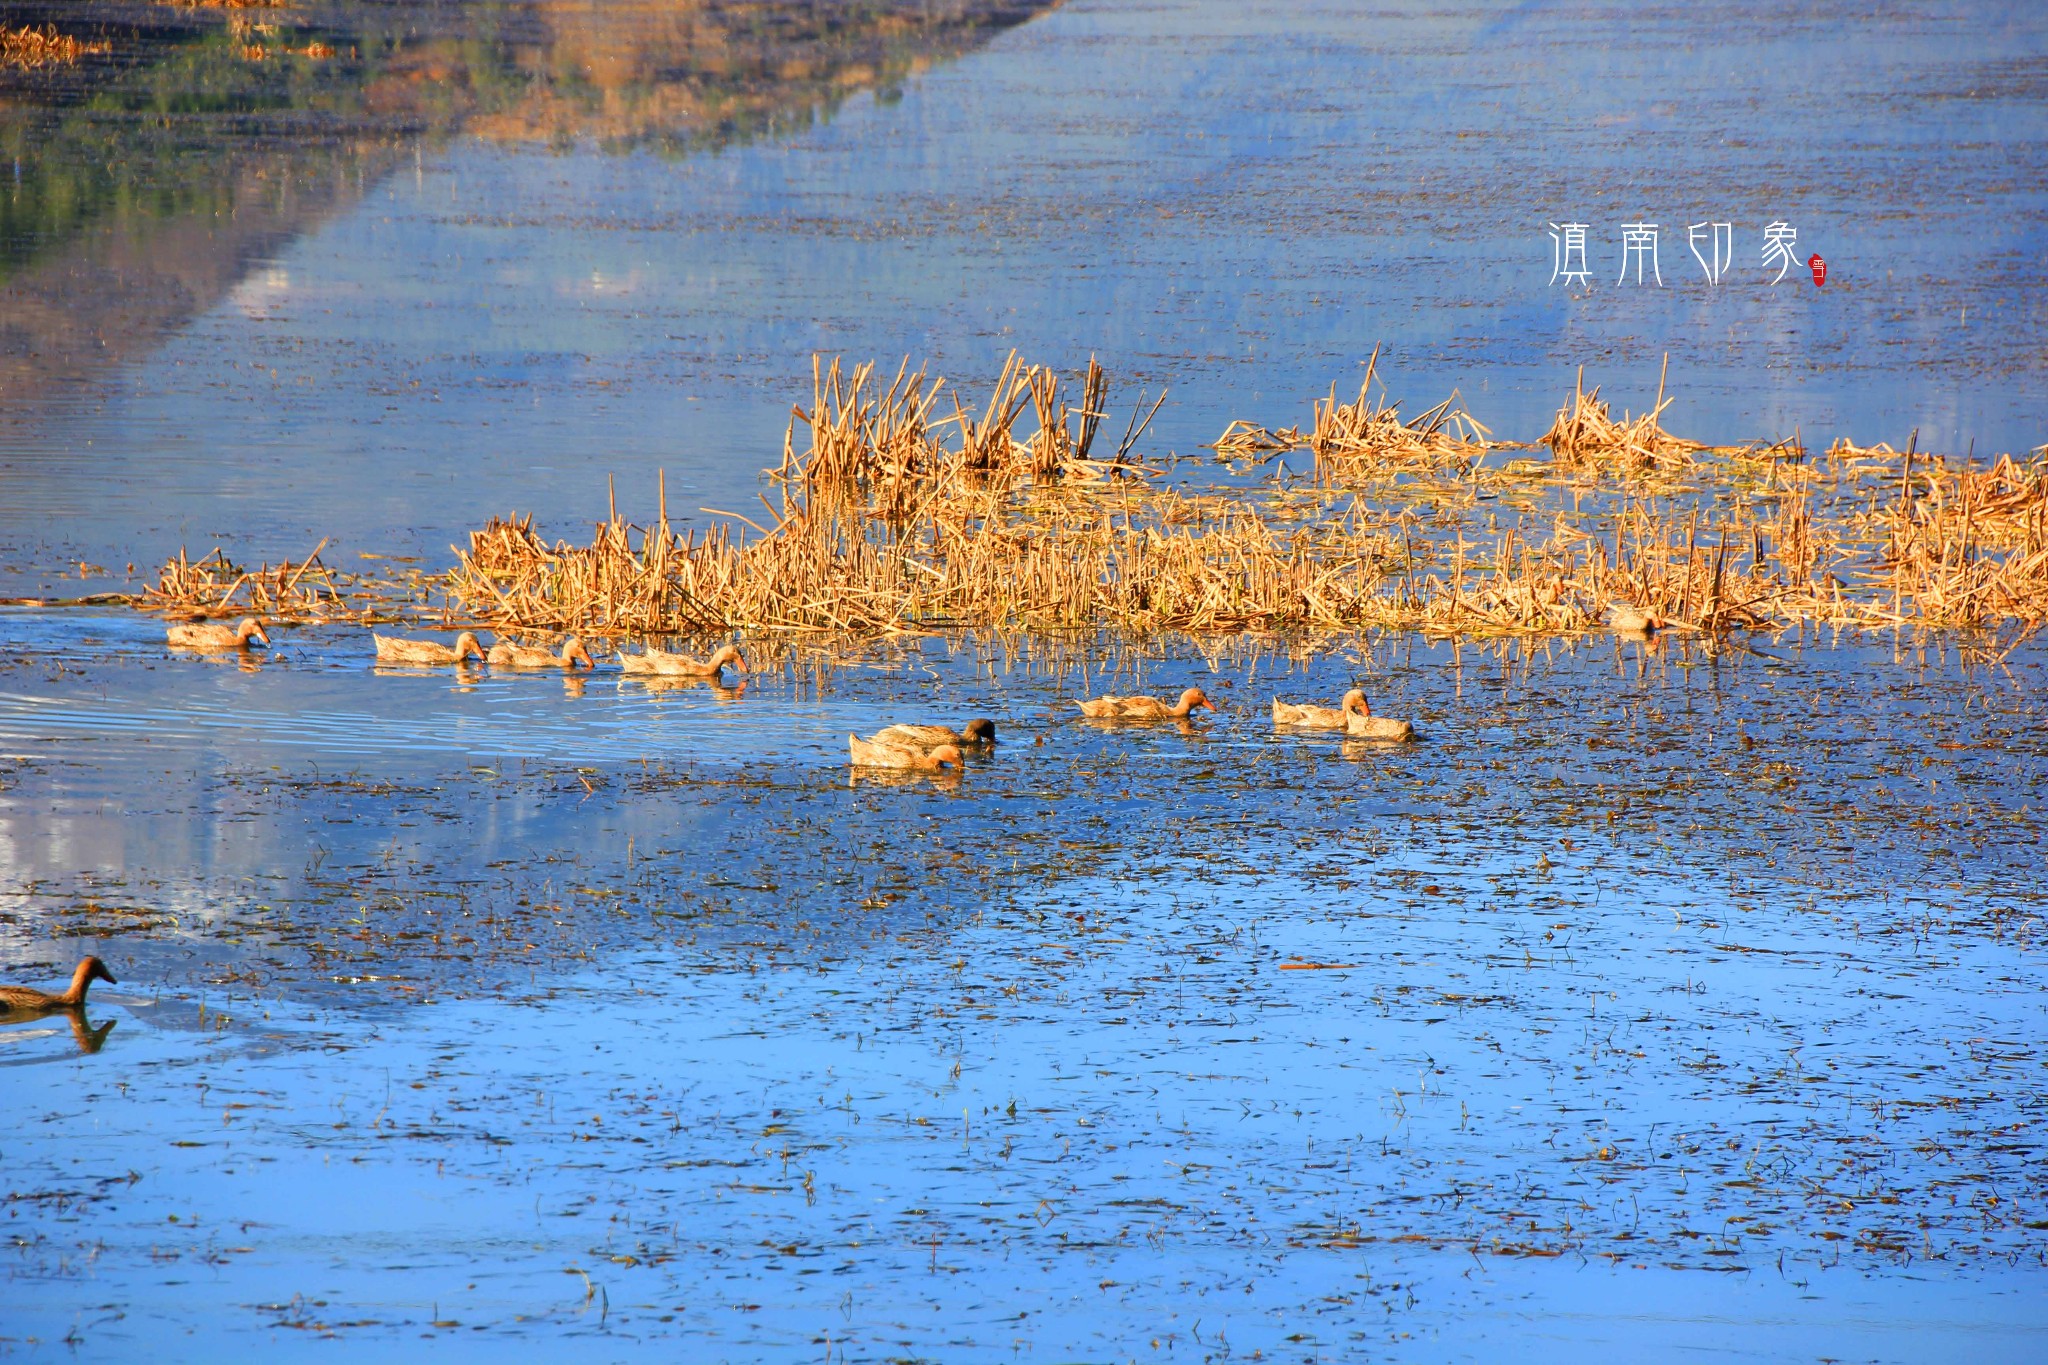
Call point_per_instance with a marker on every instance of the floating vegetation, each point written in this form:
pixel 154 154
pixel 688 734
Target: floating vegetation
pixel 31 48
pixel 894 519
pixel 1367 438
pixel 210 586
pixel 1583 434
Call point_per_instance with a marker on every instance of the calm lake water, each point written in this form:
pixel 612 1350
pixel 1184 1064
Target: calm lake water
pixel 385 336
pixel 1664 1000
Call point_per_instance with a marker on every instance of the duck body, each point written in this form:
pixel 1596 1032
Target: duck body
pixel 1314 717
pixel 660 661
pixel 391 650
pixel 979 733
pixel 505 654
pixel 1369 726
pixel 1145 708
pixel 867 753
pixel 236 636
pixel 26 999
pixel 1629 619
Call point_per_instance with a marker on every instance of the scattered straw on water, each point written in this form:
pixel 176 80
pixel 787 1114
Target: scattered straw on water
pixel 908 505
pixel 34 47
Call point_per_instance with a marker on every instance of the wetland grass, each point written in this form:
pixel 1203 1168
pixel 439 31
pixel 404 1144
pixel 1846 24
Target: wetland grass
pixel 1367 438
pixel 195 589
pixel 34 48
pixel 891 514
pixel 1584 434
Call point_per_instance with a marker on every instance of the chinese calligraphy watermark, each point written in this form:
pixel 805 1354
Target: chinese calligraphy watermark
pixel 1568 244
pixel 1721 244
pixel 1637 241
pixel 1712 245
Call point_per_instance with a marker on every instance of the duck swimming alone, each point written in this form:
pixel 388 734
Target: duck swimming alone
pixel 505 654
pixel 1314 717
pixel 1144 708
pixel 660 661
pixel 27 998
pixel 391 650
pixel 217 637
pixel 869 754
pixel 1629 619
pixel 979 732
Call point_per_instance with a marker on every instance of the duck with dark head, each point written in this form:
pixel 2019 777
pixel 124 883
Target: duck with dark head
pixel 26 1000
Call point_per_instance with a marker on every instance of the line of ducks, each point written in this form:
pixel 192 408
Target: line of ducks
pixel 908 747
pixel 1624 618
pixel 934 747
pixel 503 654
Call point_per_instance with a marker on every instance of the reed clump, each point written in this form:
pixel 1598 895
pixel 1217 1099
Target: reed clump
pixel 1965 547
pixel 211 586
pixel 32 47
pixel 1585 435
pixel 1367 438
pixel 896 515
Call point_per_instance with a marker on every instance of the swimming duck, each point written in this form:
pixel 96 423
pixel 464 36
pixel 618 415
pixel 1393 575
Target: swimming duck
pixel 1363 724
pixel 505 654
pixel 1320 717
pixel 391 650
pixel 217 637
pixel 1144 708
pixel 868 754
pixel 979 732
pixel 29 999
pixel 681 665
pixel 1629 619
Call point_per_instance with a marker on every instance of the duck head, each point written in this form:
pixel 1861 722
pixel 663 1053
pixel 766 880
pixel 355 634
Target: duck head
pixel 249 629
pixel 945 756
pixel 981 730
pixel 92 969
pixel 1355 703
pixel 466 645
pixel 728 654
pixel 1193 700
pixel 575 653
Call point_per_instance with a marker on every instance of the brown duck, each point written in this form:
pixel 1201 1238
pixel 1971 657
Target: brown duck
pixel 1626 618
pixel 868 754
pixel 1363 724
pixel 1145 708
pixel 391 650
pixel 660 661
pixel 505 654
pixel 979 733
pixel 217 637
pixel 28 1000
pixel 1314 717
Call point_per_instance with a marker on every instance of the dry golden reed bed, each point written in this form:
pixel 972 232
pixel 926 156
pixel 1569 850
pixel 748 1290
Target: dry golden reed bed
pixel 905 504
pixel 892 516
pixel 32 47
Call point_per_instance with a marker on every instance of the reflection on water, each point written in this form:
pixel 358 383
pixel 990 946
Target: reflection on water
pixel 138 187
pixel 21 1030
pixel 501 321
pixel 1653 965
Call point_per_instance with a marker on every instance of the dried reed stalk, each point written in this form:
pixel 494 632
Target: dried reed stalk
pixel 32 48
pixel 1584 435
pixel 210 587
pixel 885 525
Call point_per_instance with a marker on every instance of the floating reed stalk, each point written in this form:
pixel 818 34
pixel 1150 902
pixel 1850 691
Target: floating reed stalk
pixel 33 48
pixel 891 520
pixel 1584 435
